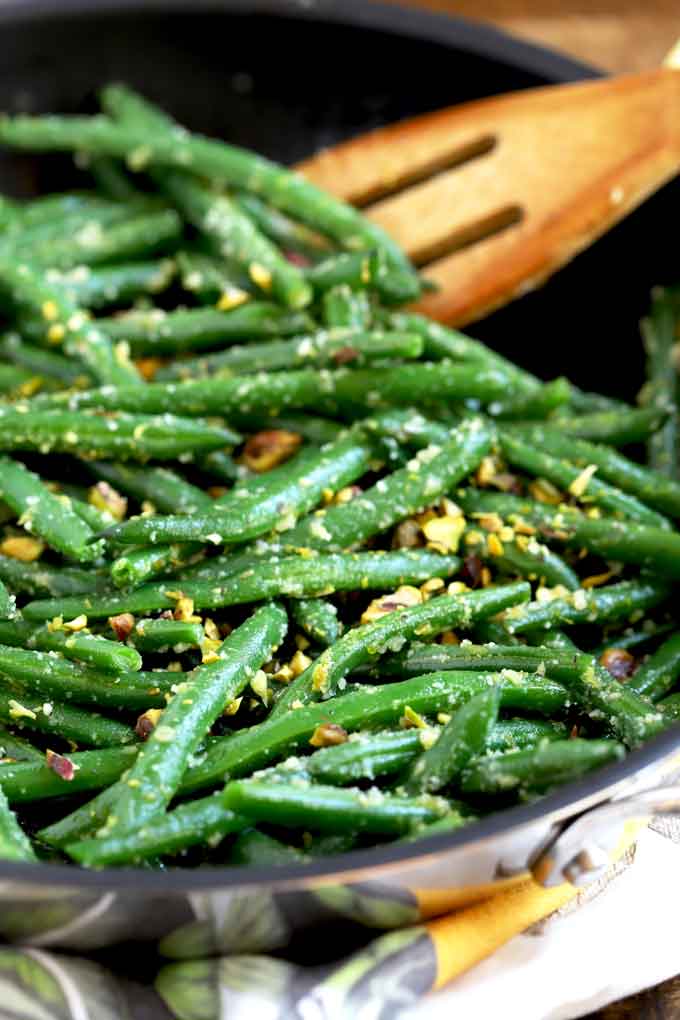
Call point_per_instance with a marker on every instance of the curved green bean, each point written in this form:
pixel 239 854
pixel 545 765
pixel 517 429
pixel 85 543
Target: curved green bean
pixel 649 486
pixel 43 513
pixel 657 676
pixel 541 767
pixel 361 644
pixel 62 720
pixel 462 738
pixel 14 843
pixel 318 619
pixel 200 821
pixel 426 477
pixel 157 772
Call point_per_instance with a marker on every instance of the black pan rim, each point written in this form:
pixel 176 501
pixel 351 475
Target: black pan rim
pixel 494 44
pixel 467 34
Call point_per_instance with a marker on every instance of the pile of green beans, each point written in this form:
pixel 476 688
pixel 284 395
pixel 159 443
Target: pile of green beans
pixel 279 556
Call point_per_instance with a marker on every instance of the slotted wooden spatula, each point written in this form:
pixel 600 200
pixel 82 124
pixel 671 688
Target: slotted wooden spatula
pixel 493 196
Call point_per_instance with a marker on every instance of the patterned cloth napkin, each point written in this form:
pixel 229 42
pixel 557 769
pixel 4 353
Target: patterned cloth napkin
pixel 546 954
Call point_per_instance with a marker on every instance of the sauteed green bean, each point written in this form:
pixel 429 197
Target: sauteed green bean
pixel 283 566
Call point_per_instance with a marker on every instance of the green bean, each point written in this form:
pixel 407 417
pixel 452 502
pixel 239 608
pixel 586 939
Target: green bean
pixel 173 146
pixel 109 285
pixel 631 718
pixel 157 772
pixel 324 677
pixel 541 767
pixel 588 402
pixel 369 270
pixel 670 707
pixel 219 464
pixel 288 234
pixel 442 343
pixel 463 737
pixel 425 383
pixel 535 404
pixel 157 635
pixel 140 564
pixel 63 321
pixel 318 619
pixel 167 490
pixel 14 749
pixel 451 821
pixel 493 631
pixel 111 179
pixel 365 756
pixel 421 658
pixel 633 638
pixel 236 236
pixel 325 348
pixel 47 208
pixel 255 849
pixel 310 427
pixel 622 541
pixel 274 501
pixel 136 236
pixel 657 676
pixel 46 675
pixel 109 656
pixel 41 579
pixel 529 559
pixel 514 734
pixel 95 517
pixel 356 271
pixel 293 576
pixel 409 427
pixel 324 390
pixel 374 755
pixel 154 331
pixel 83 226
pixel 213 280
pixel 65 721
pixel 45 514
pixel 7 603
pixel 329 809
pixel 659 334
pixel 567 476
pixel 429 475
pixel 626 600
pixel 84 821
pixel 342 306
pixel 618 428
pixel 9 212
pixel 14 843
pixel 16 381
pixel 25 782
pixel 204 821
pixel 649 486
pixel 122 436
pixel 218 568
pixel 44 363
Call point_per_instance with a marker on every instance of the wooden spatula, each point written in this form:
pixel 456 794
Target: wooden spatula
pixel 493 196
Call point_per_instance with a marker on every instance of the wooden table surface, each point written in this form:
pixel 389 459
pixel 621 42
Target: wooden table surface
pixel 619 35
